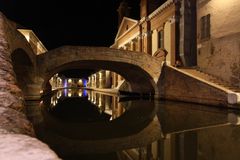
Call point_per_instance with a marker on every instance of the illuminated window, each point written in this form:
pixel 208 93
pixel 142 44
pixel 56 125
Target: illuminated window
pixel 205 27
pixel 160 39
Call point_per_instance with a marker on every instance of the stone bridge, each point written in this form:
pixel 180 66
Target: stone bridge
pixel 139 69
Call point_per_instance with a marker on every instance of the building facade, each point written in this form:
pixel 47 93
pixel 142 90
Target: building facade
pixel 33 40
pixel 203 34
pixel 218 39
pixel 153 34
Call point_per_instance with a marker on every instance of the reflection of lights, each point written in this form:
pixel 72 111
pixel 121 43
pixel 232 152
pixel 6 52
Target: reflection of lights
pixel 69 94
pixel 234 119
pixel 80 94
pixel 51 100
pixel 54 103
pixel 65 92
pixel 85 93
pixel 100 101
pixel 59 94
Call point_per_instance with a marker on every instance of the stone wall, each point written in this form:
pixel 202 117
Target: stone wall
pixel 175 85
pixel 16 132
pixel 220 54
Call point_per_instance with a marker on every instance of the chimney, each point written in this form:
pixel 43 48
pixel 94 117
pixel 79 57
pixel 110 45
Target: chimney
pixel 123 11
pixel 143 8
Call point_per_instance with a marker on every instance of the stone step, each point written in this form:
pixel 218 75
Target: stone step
pixel 207 77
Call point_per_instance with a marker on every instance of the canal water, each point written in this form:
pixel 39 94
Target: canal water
pixel 80 124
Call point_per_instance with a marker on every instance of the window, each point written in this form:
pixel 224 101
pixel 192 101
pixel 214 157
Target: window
pixel 205 27
pixel 134 46
pixel 160 39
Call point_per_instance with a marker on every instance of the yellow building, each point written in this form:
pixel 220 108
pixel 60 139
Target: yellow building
pixel 201 34
pixel 33 40
pixel 153 34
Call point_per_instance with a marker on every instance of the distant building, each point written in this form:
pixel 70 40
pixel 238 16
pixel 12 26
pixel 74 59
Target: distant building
pixel 33 40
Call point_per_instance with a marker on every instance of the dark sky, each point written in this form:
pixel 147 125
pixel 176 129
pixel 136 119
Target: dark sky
pixel 68 22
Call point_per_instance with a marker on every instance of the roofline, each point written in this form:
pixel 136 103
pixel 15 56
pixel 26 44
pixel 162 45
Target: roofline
pixel 160 8
pixel 125 18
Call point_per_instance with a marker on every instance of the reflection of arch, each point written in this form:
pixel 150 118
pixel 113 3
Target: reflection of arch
pixel 23 68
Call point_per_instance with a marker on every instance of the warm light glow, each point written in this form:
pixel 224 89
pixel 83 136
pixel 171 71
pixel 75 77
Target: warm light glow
pixel 27 37
pixel 79 81
pixel 80 94
pixel 100 101
pixel 223 4
pixel 54 103
pixel 69 80
pixel 69 94
pixel 59 94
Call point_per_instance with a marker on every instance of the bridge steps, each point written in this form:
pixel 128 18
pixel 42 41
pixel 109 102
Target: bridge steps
pixel 215 82
pixel 210 78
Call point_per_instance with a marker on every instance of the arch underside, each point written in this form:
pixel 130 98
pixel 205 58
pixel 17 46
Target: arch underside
pixel 139 80
pixel 24 70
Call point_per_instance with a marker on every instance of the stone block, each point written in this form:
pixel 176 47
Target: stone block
pixel 14 122
pixel 8 100
pixel 16 147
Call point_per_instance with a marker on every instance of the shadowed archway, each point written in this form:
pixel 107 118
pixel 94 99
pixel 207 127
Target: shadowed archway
pixel 24 70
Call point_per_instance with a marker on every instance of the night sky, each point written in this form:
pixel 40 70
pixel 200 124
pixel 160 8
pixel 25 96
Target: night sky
pixel 68 22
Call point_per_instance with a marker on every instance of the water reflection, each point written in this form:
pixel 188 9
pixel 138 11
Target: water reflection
pixel 104 104
pixel 76 123
pixel 192 132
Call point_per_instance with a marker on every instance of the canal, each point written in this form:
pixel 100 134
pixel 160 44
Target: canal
pixel 80 124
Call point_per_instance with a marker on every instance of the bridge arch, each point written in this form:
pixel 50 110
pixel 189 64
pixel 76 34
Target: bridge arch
pixel 139 69
pixel 24 70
